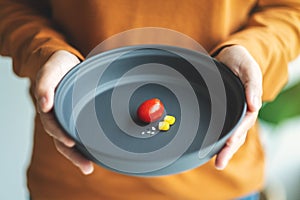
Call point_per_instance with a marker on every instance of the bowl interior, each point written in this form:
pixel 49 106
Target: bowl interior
pixel 102 94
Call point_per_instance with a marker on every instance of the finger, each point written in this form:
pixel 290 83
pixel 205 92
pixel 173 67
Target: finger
pixel 253 93
pixel 227 152
pixel 235 141
pixel 50 75
pixel 75 157
pixel 44 91
pixel 247 122
pixel 54 129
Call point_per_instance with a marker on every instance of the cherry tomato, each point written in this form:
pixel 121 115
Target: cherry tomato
pixel 151 110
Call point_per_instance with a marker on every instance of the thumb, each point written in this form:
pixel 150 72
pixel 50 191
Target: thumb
pixel 50 75
pixel 251 77
pixel 240 61
pixel 253 96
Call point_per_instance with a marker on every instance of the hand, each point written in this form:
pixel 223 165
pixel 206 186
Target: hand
pixel 47 80
pixel 239 60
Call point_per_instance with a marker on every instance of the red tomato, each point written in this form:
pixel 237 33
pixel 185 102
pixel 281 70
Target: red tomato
pixel 151 110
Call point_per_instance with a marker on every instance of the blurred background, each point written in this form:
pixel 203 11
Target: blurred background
pixel 280 124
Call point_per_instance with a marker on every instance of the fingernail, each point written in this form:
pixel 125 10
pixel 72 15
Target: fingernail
pixel 219 168
pixel 38 109
pixel 69 143
pixel 231 141
pixel 222 166
pixel 88 170
pixel 256 102
pixel 41 102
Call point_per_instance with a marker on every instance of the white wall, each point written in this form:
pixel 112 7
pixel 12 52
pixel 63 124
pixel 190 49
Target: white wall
pixel 16 127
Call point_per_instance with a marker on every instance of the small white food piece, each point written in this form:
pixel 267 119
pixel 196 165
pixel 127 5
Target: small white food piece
pixel 153 128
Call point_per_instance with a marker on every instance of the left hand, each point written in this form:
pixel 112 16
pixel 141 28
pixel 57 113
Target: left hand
pixel 48 77
pixel 242 64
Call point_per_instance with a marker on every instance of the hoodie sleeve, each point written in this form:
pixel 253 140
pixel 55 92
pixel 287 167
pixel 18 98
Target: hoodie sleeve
pixel 272 36
pixel 28 36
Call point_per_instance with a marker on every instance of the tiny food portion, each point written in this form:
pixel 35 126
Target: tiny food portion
pixel 163 126
pixel 151 110
pixel 170 119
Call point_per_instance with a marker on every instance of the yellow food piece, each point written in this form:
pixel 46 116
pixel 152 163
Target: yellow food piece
pixel 163 126
pixel 170 119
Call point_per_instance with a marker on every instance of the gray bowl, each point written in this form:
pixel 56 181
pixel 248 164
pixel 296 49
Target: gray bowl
pixel 96 103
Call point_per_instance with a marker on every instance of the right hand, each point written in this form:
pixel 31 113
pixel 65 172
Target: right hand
pixel 47 80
